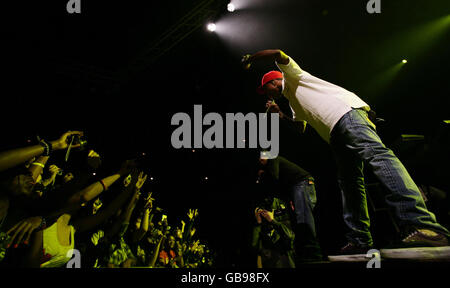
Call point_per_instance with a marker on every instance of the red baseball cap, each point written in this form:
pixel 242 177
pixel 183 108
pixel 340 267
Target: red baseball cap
pixel 269 76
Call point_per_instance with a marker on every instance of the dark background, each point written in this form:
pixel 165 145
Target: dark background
pixel 78 72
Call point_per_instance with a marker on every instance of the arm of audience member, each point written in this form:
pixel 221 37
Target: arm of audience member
pixel 23 230
pixel 130 207
pixel 145 220
pixel 187 232
pixel 121 226
pixel 93 161
pixel 37 167
pixel 85 175
pixel 143 229
pixel 12 158
pixel 137 235
pixel 90 222
pixel 93 190
pixel 53 169
pixel 180 259
pixel 34 254
pixel 156 252
pixel 123 223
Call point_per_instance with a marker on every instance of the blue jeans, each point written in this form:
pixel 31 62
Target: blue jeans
pixel 354 141
pixel 303 195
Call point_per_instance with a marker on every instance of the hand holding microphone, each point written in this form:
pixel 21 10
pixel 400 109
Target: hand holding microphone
pixel 272 106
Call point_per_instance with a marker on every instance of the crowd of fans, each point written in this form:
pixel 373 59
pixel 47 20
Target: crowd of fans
pixel 47 214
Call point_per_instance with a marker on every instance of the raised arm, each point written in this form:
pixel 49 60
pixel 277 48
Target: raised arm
pixel 156 252
pixel 270 55
pixel 12 158
pixel 187 235
pixel 121 225
pixel 37 167
pixel 90 222
pixel 93 190
pixel 145 220
pixel 34 253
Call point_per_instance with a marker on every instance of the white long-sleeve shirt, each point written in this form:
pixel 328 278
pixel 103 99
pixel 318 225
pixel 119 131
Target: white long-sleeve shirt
pixel 318 102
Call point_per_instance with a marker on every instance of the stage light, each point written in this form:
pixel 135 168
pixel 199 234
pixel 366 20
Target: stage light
pixel 211 27
pixel 231 7
pixel 404 61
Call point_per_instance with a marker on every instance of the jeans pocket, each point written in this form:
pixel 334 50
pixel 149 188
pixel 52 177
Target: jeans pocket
pixel 364 119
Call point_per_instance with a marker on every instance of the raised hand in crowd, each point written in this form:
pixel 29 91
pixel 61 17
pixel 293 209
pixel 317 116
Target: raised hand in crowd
pixel 21 232
pixel 258 212
pixel 192 214
pixel 141 180
pixel 54 171
pixel 93 190
pixel 14 157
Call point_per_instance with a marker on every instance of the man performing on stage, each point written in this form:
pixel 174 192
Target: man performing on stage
pixel 341 118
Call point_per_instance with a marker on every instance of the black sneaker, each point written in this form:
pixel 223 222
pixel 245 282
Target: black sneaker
pixel 425 238
pixel 352 248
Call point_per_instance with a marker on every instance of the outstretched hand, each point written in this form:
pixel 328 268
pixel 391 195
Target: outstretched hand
pixel 54 170
pixel 192 213
pixel 24 229
pixel 149 201
pixel 246 61
pixel 258 215
pixel 268 215
pixel 93 154
pixel 61 143
pixel 272 106
pixel 127 167
pixel 141 180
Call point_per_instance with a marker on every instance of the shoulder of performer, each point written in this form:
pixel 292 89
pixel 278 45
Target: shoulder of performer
pixel 288 65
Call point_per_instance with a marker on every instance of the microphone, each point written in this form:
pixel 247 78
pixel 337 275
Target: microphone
pixel 267 110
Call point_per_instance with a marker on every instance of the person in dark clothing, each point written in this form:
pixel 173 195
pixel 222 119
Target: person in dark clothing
pixel 273 237
pixel 296 185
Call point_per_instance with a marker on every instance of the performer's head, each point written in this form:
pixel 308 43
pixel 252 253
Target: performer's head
pixel 271 85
